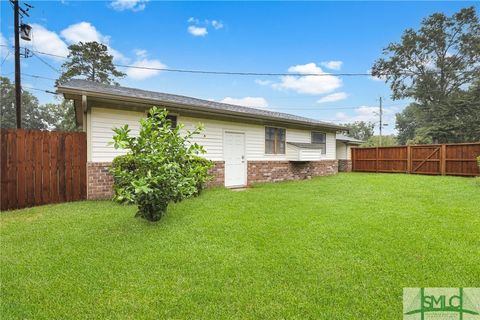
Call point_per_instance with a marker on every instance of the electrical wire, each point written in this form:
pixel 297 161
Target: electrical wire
pixel 5 58
pixel 45 62
pixel 316 108
pixel 37 76
pixel 212 72
pixel 43 90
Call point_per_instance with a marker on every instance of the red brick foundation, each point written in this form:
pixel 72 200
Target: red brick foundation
pixel 218 173
pixel 272 171
pixel 100 181
pixel 344 165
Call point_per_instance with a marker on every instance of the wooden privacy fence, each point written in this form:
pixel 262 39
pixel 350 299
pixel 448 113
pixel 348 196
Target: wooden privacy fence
pixel 437 159
pixel 39 167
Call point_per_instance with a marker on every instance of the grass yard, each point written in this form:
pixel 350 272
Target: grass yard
pixel 340 247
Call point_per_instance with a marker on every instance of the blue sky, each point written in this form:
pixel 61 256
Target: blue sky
pixel 278 37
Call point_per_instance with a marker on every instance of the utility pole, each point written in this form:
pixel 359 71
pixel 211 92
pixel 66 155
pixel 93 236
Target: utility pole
pixel 381 121
pixel 25 30
pixel 18 87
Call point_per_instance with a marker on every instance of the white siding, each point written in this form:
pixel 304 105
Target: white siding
pixel 303 154
pixel 211 138
pixel 343 151
pixel 102 122
pixel 311 154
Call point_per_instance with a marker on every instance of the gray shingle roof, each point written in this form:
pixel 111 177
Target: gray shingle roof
pixel 89 87
pixel 345 138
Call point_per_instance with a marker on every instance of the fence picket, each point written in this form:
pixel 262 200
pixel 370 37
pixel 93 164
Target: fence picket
pixel 21 194
pixel 446 159
pixel 12 169
pixel 4 170
pixel 41 167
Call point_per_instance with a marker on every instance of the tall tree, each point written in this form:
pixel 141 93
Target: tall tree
pixel 91 61
pixel 436 66
pixel 406 123
pixel 31 114
pixel 361 130
pixel 60 116
pixel 50 116
pixel 374 141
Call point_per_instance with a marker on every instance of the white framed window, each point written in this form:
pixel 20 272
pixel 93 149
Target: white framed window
pixel 275 140
pixel 321 139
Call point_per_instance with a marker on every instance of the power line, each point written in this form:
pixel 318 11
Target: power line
pixel 45 62
pixel 239 73
pixel 5 58
pixel 37 76
pixel 211 72
pixel 43 90
pixel 316 108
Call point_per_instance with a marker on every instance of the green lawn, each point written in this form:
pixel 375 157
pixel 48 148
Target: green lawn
pixel 340 247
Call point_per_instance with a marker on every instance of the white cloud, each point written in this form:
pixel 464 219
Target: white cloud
pixel 141 53
pixel 309 84
pixel 82 31
pixel 199 28
pixel 86 32
pixel 4 48
pixel 3 40
pixel 46 41
pixel 197 31
pixel 254 102
pixel 309 68
pixel 263 82
pixel 332 65
pixel 142 74
pixel 366 113
pixel 217 24
pixel 337 96
pixel 133 5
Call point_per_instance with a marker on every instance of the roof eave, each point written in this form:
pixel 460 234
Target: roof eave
pixel 79 92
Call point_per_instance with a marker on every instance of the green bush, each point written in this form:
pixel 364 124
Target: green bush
pixel 122 169
pixel 200 167
pixel 162 165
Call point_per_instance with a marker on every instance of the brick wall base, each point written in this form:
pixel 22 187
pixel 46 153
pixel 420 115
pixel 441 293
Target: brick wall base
pixel 272 171
pixel 344 165
pixel 218 174
pixel 100 181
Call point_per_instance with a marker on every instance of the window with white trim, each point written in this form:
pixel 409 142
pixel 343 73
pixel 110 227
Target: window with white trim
pixel 321 139
pixel 275 140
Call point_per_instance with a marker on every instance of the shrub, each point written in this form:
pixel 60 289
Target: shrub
pixel 200 167
pixel 162 165
pixel 122 169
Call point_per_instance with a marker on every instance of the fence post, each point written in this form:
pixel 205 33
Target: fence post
pixel 376 158
pixel 409 159
pixel 352 151
pixel 443 160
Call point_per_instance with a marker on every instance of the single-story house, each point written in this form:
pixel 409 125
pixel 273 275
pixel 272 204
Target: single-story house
pixel 247 145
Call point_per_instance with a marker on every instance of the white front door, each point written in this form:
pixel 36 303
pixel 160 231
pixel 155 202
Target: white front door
pixel 235 163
